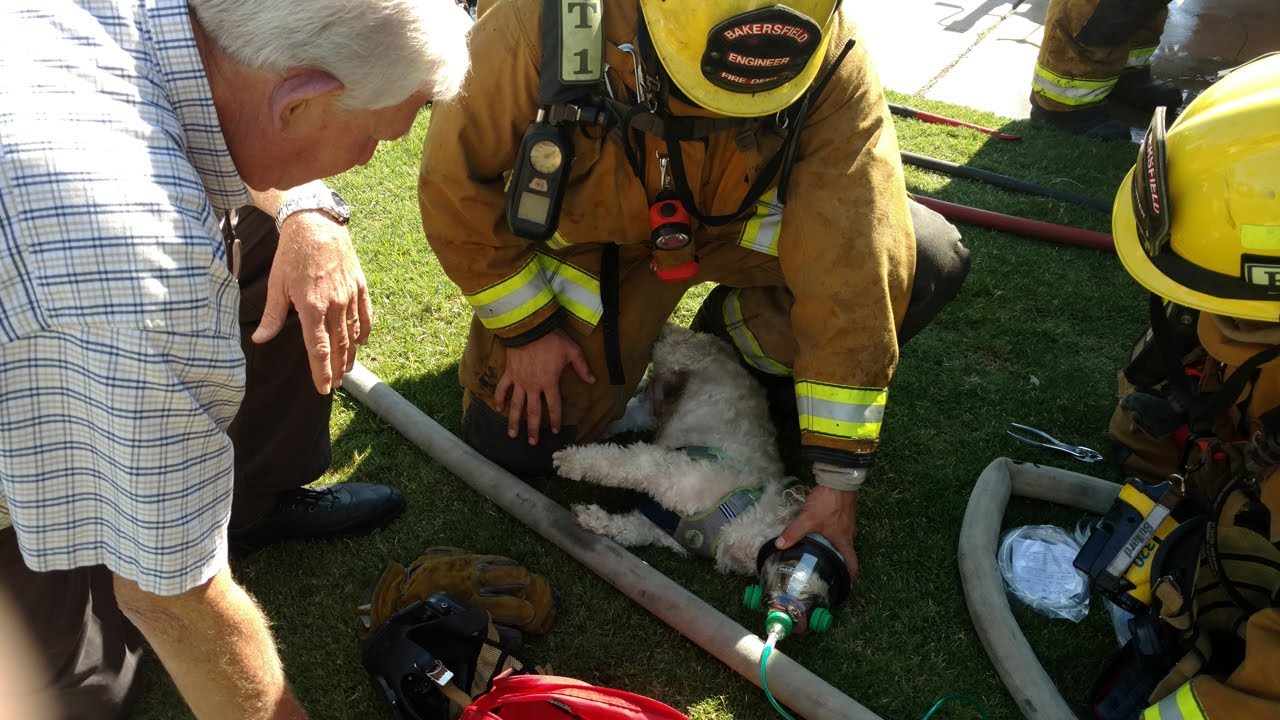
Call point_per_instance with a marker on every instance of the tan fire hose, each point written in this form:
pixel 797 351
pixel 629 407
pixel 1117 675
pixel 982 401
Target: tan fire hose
pixel 984 591
pixel 806 694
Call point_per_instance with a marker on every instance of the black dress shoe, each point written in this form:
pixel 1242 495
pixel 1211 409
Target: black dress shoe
pixel 1139 90
pixel 1094 121
pixel 326 511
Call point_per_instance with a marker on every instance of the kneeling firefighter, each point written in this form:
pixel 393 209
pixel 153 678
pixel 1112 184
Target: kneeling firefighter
pixel 601 161
pixel 1197 222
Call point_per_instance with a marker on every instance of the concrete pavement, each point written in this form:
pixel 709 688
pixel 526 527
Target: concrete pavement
pixel 981 53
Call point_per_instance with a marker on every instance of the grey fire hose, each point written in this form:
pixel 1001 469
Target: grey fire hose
pixel 805 693
pixel 984 592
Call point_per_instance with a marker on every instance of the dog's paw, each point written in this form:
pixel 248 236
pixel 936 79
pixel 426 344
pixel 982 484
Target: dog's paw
pixel 591 517
pixel 737 558
pixel 568 463
pixel 669 543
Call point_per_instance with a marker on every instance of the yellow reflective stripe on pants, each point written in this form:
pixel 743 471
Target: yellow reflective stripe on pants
pixel 576 291
pixel 1180 705
pixel 1072 91
pixel 508 302
pixel 1140 57
pixel 760 233
pixel 745 341
pixel 850 413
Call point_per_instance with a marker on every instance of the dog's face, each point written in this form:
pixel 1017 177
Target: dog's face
pixel 680 350
pixel 679 356
pixel 665 392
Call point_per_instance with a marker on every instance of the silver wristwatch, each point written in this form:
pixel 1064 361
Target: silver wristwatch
pixel 327 201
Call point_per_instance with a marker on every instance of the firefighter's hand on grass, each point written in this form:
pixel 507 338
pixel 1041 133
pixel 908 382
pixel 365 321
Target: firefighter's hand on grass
pixel 831 513
pixel 532 377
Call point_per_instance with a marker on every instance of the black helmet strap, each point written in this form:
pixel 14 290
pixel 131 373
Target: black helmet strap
pixel 656 119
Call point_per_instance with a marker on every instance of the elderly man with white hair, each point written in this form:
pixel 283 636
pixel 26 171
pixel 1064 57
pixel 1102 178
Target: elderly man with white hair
pixel 130 132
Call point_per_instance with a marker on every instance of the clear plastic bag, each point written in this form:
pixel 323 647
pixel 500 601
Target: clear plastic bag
pixel 1035 562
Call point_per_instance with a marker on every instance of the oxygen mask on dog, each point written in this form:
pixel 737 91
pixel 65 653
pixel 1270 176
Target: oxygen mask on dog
pixel 798 586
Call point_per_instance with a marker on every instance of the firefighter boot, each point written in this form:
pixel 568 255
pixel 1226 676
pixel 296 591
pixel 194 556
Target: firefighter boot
pixel 1139 90
pixel 1093 120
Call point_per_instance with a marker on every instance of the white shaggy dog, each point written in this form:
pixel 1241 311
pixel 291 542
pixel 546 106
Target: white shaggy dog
pixel 699 397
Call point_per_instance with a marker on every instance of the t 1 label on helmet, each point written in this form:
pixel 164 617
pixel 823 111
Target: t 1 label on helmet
pixel 760 50
pixel 1262 271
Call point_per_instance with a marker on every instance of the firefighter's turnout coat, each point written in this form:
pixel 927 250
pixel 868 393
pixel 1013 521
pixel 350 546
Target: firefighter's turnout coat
pixel 824 280
pixel 1225 613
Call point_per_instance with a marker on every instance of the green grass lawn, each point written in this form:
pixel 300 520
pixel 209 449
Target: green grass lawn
pixel 1036 337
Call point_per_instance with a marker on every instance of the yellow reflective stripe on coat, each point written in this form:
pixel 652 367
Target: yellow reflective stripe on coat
pixel 760 233
pixel 745 341
pixel 543 278
pixel 850 413
pixel 1072 91
pixel 556 242
pixel 1139 57
pixel 577 291
pixel 1180 705
pixel 508 302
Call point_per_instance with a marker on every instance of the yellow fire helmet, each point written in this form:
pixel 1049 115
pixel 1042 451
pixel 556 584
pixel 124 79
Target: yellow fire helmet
pixel 742 58
pixel 1197 220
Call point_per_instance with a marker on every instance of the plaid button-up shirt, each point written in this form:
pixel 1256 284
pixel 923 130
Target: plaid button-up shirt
pixel 120 360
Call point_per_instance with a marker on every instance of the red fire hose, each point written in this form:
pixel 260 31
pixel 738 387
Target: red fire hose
pixel 1052 232
pixel 910 112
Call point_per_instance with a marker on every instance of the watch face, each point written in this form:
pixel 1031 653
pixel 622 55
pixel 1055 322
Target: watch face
pixel 340 205
pixel 329 202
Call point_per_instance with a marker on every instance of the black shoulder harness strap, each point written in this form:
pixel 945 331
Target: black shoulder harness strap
pixel 1202 411
pixel 675 129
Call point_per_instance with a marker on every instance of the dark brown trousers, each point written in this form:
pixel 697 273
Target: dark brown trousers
pixel 91 650
pixel 281 433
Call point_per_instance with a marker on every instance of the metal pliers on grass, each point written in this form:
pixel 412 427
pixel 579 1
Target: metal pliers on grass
pixel 1043 439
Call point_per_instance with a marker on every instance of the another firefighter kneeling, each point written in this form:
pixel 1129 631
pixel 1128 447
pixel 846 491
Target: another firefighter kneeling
pixel 1197 223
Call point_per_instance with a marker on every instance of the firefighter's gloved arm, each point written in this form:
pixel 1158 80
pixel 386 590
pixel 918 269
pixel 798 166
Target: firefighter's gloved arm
pixel 839 478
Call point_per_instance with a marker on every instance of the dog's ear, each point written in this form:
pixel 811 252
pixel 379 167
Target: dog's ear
pixel 666 391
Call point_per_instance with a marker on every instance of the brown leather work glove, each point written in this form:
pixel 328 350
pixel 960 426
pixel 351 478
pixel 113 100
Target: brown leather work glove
pixel 504 587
